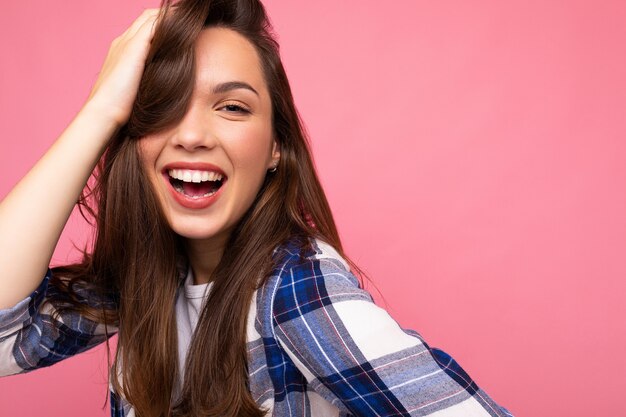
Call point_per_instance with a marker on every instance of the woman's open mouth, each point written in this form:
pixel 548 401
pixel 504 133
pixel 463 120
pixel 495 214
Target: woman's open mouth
pixel 195 184
pixel 195 188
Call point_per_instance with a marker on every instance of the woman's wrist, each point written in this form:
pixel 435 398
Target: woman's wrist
pixel 101 120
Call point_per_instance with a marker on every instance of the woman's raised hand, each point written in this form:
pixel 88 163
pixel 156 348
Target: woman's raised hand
pixel 33 214
pixel 116 87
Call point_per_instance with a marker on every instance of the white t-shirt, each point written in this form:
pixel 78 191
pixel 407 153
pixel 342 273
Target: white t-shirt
pixel 189 304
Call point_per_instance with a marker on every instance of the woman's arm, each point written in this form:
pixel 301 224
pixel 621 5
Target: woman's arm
pixel 357 357
pixel 34 334
pixel 34 213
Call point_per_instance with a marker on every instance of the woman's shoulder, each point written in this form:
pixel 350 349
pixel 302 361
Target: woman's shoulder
pixel 307 275
pixel 300 257
pixel 305 266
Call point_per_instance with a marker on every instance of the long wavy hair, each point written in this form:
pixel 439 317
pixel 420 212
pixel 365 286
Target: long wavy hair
pixel 136 258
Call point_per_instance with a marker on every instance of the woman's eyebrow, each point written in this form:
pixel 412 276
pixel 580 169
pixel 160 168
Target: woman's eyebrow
pixel 232 85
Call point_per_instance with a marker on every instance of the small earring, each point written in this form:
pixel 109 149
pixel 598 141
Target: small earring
pixel 274 168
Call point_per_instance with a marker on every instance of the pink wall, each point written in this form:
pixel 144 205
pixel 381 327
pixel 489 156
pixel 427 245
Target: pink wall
pixel 473 153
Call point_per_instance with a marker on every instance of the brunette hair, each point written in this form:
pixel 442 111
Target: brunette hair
pixel 137 260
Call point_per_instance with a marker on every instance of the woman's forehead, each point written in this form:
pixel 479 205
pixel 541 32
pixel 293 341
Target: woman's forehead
pixel 223 55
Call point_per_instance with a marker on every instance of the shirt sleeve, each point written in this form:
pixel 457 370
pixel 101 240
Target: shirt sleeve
pixel 32 336
pixel 357 357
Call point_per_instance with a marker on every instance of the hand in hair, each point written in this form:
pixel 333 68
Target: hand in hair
pixel 34 213
pixel 116 87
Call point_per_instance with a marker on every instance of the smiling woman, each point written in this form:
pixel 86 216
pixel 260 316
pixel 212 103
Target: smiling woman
pixel 216 258
pixel 226 135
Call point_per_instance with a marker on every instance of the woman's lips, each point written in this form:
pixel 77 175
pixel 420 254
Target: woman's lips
pixel 195 202
pixel 187 201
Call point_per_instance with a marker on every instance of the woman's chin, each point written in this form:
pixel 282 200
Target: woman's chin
pixel 197 230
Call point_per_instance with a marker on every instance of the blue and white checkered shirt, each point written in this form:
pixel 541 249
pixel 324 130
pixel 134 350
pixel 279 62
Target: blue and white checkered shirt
pixel 317 346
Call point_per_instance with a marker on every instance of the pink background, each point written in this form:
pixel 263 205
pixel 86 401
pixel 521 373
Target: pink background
pixel 473 153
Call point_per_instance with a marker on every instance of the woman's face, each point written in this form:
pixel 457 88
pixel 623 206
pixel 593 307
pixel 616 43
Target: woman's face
pixel 208 169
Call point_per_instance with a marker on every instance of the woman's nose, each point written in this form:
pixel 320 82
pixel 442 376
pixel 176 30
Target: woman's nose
pixel 194 130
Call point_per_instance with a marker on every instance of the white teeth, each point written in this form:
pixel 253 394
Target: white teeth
pixel 178 187
pixel 188 175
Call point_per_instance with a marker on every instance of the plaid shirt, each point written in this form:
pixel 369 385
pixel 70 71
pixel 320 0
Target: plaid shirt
pixel 317 346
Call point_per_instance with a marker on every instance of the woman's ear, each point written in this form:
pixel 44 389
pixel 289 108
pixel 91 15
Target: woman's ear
pixel 275 155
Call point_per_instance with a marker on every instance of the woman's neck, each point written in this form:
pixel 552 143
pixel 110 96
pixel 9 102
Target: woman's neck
pixel 204 255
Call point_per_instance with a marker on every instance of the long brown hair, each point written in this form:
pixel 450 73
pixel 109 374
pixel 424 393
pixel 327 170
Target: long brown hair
pixel 137 260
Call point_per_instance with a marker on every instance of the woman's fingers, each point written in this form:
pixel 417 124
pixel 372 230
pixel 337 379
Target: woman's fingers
pixel 116 87
pixel 147 16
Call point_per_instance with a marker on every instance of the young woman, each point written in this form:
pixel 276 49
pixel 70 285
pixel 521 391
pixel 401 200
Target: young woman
pixel 216 259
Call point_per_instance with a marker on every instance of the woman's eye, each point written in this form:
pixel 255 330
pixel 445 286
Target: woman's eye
pixel 235 108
